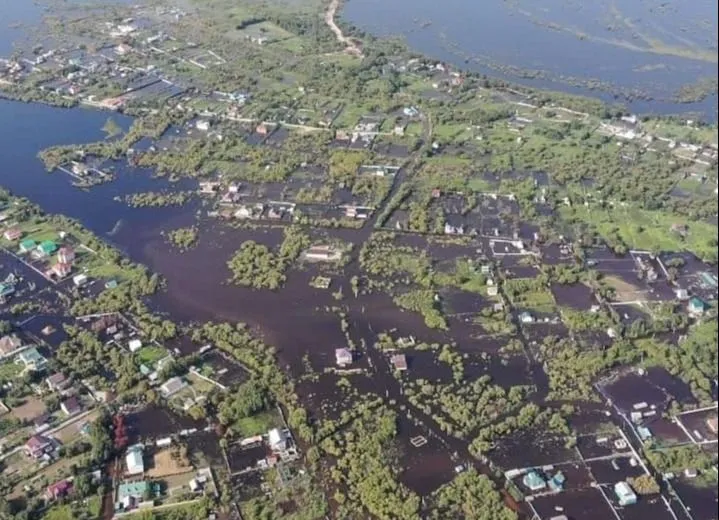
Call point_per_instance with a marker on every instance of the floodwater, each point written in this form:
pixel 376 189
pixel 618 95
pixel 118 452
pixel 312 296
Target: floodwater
pixel 292 319
pixel 636 45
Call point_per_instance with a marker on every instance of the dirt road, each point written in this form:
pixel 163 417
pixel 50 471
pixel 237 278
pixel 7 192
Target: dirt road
pixel 350 46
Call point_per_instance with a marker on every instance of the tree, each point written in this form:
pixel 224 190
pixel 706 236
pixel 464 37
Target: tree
pixel 469 496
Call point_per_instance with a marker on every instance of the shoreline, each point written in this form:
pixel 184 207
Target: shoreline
pixel 634 98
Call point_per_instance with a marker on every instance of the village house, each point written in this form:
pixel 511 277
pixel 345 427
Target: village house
pixel 133 460
pixel 57 490
pixel 134 345
pixel 625 494
pixel 682 294
pixel 526 317
pixel 27 245
pixel 79 280
pixel 45 249
pixel 66 255
pixel 262 129
pixel 130 493
pixel 277 439
pixel 209 188
pixel 57 382
pixel 343 357
pixel 12 234
pixel 533 481
pixel 449 229
pixel 61 270
pixel 322 252
pixel 275 214
pixel 41 422
pixel 9 344
pixel 31 359
pixel 6 289
pixel 172 386
pixel 71 406
pixel 399 362
pixel 696 306
pixel 203 125
pixel 37 446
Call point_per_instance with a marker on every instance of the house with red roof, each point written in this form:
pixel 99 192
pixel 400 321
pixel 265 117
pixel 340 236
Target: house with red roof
pixel 58 490
pixel 37 446
pixel 12 234
pixel 61 269
pixel 66 255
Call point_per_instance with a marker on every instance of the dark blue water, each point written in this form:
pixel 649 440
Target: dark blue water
pixel 26 129
pixel 515 33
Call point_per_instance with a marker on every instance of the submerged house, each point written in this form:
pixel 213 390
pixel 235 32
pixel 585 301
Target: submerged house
pixel 533 481
pixel 399 362
pixel 133 459
pixel 625 494
pixel 697 306
pixel 343 357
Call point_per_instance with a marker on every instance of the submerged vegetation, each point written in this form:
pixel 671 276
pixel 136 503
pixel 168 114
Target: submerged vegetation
pixel 183 238
pixel 157 199
pixel 255 265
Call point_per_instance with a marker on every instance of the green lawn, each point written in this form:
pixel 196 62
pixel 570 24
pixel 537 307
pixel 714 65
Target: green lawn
pixel 257 424
pixel 9 371
pixel 648 230
pixel 150 354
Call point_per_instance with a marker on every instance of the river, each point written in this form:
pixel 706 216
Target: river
pixel 643 45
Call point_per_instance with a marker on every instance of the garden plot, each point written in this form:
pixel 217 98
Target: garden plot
pixel 426 463
pixel 646 392
pixel 700 426
pixel 221 370
pixel 155 422
pixel 587 504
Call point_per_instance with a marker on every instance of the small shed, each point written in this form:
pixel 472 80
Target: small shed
pixel 79 280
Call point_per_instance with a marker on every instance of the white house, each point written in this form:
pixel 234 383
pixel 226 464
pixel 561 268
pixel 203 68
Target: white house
pixel 133 459
pixel 277 439
pixel 134 345
pixel 203 124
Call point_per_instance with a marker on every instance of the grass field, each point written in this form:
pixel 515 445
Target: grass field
pixel 9 371
pixel 646 230
pixel 150 354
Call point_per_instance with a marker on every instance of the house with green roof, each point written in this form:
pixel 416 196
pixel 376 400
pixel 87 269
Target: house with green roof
pixel 697 306
pixel 6 289
pixel 27 245
pixel 131 493
pixel 534 481
pixel 31 359
pixel 46 248
pixel 138 489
